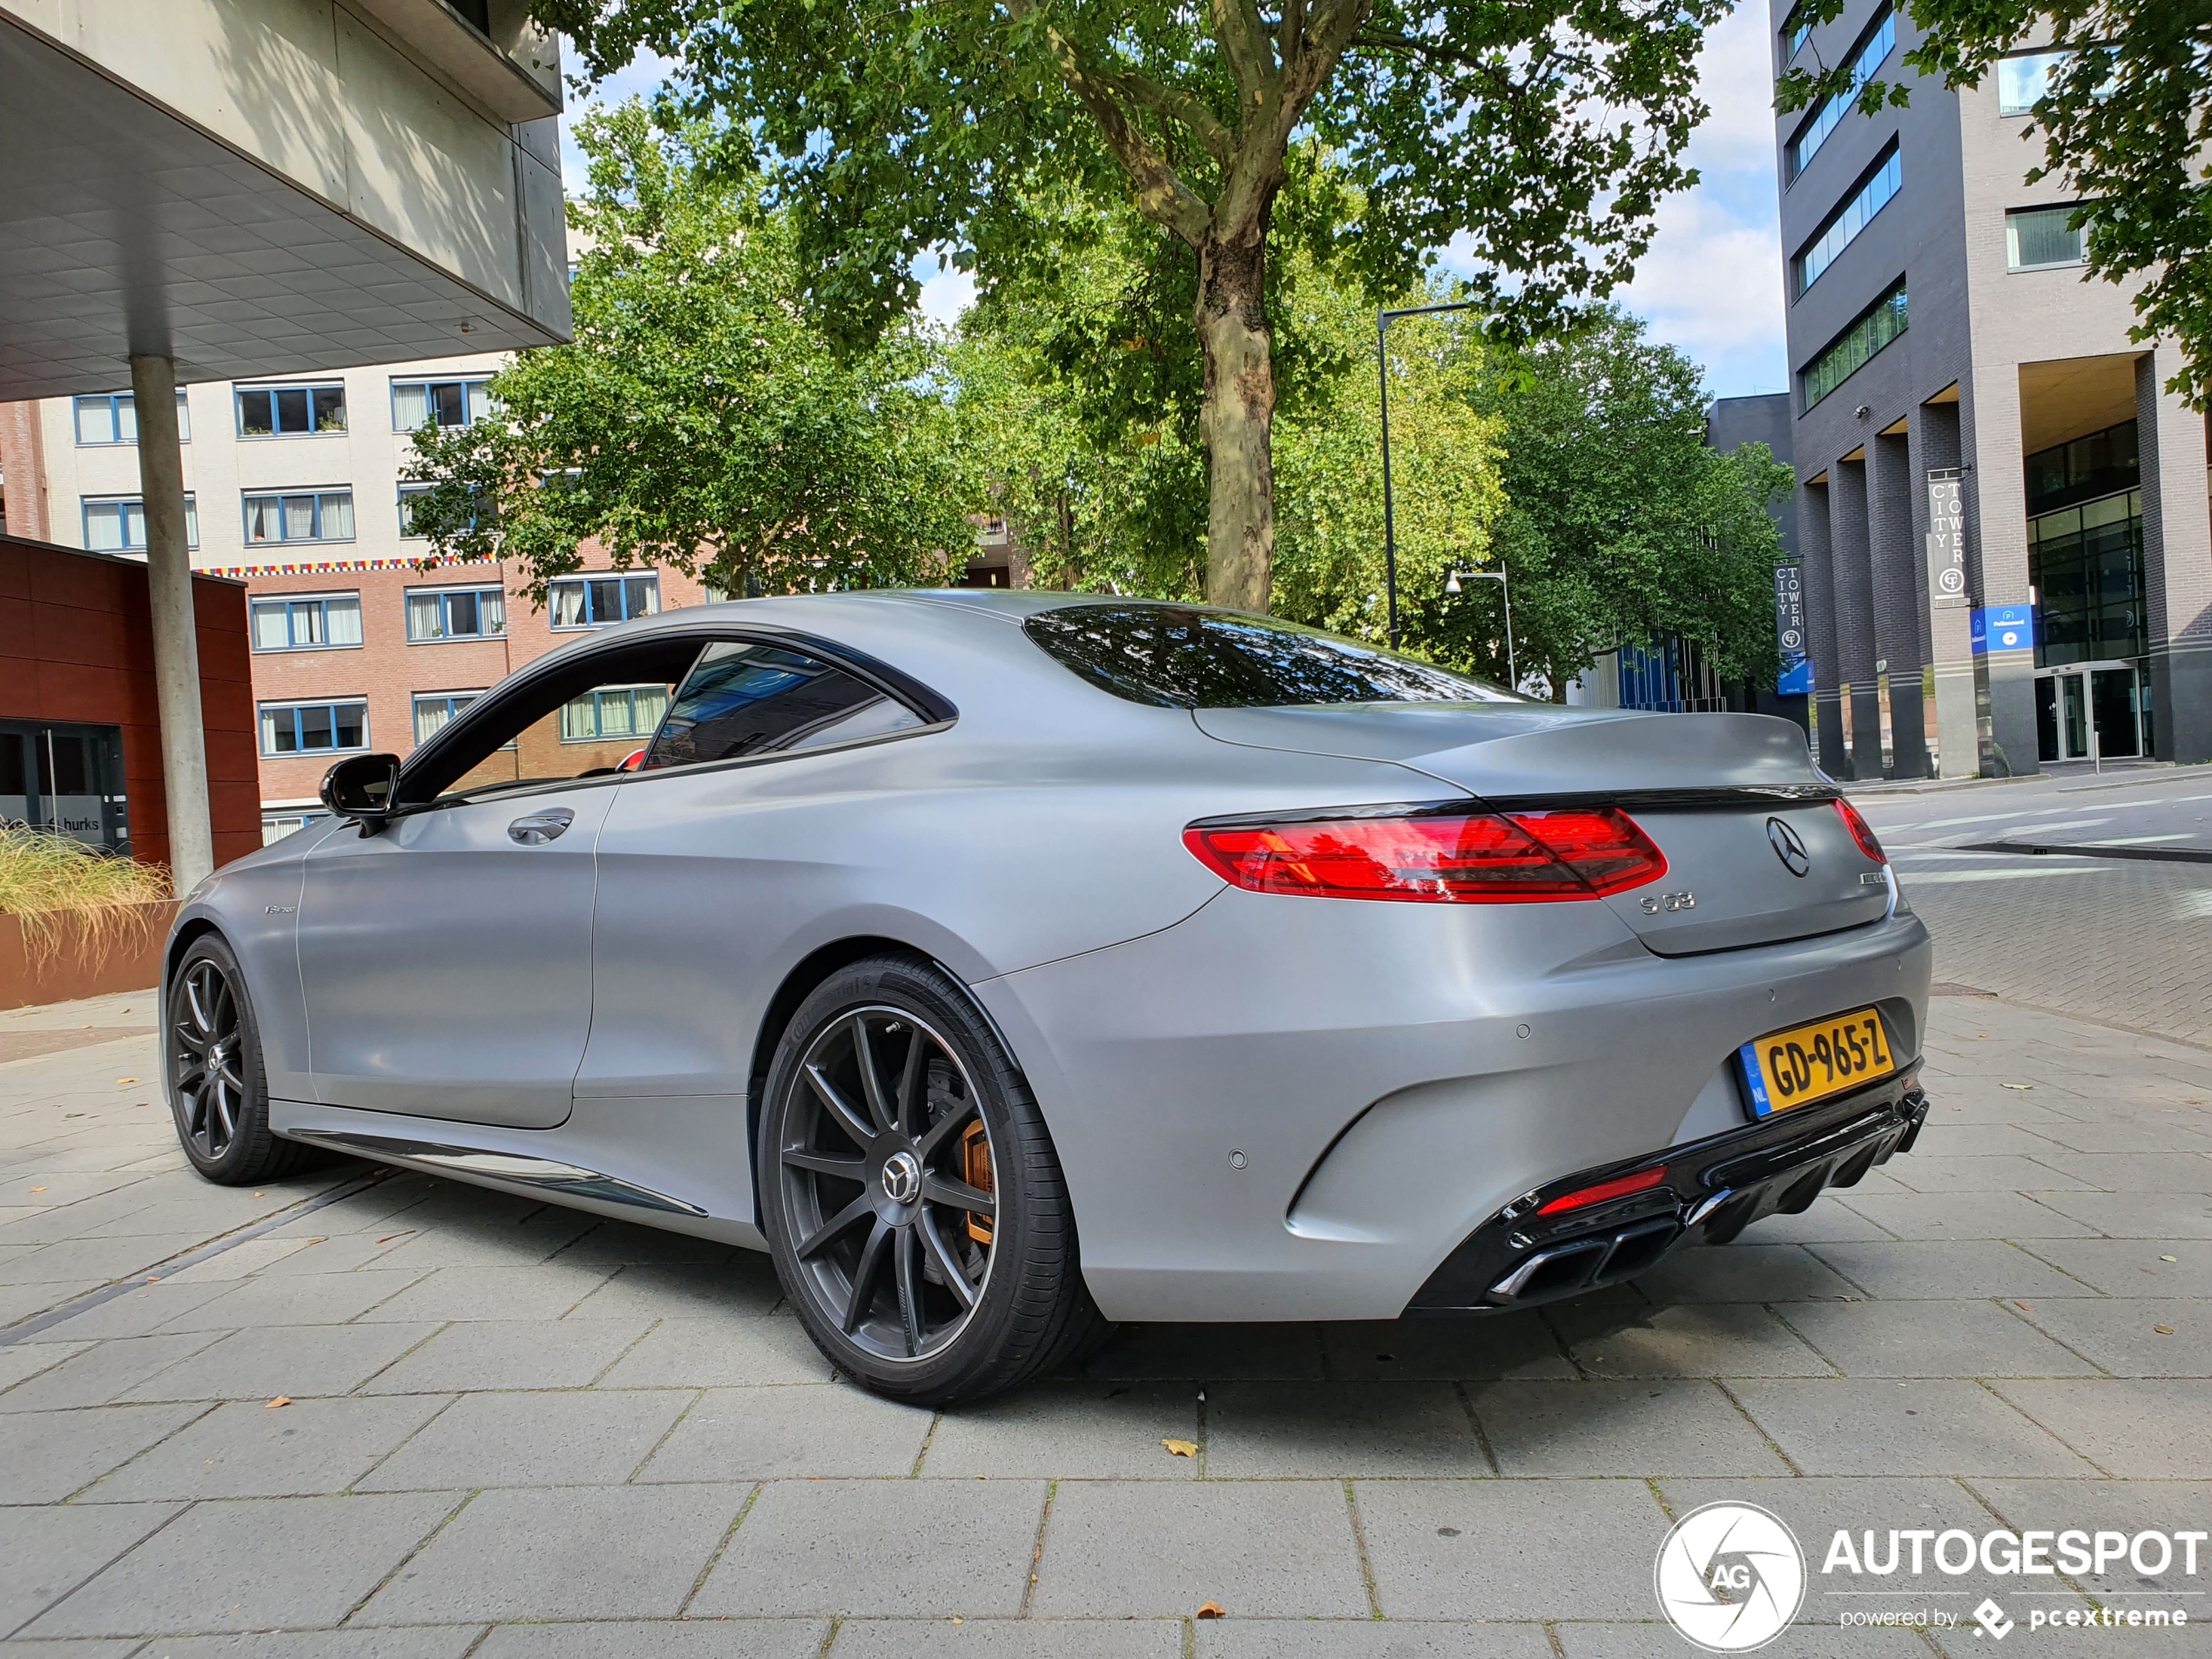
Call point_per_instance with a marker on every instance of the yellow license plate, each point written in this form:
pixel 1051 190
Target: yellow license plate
pixel 1810 1063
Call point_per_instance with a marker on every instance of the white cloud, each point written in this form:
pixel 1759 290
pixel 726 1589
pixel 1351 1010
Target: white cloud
pixel 945 293
pixel 640 79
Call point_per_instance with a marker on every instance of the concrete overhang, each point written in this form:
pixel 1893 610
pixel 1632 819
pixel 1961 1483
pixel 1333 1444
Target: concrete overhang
pixel 522 84
pixel 323 203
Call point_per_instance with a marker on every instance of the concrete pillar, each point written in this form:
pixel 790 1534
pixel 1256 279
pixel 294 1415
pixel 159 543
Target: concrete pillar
pixel 1997 554
pixel 2177 563
pixel 1895 564
pixel 176 636
pixel 1848 548
pixel 1820 626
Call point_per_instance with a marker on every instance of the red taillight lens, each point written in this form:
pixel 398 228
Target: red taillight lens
pixel 1861 830
pixel 1641 1181
pixel 1473 858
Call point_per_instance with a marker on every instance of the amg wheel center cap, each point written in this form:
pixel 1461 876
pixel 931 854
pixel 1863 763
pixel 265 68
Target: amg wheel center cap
pixel 902 1178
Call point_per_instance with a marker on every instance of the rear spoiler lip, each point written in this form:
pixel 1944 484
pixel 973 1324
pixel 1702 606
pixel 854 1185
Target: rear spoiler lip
pixel 1719 797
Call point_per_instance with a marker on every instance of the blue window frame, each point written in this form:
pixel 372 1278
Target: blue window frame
pixel 314 728
pixel 1846 223
pixel 300 516
pixel 598 601
pixel 451 403
pixel 614 711
pixel 1830 115
pixel 455 613
pixel 290 411
pixel 117 524
pixel 435 711
pixel 319 622
pixel 112 417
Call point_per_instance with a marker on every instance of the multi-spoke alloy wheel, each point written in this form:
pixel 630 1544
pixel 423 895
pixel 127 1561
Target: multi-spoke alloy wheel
pixel 212 1063
pixel 204 1058
pixel 888 1173
pixel 909 1190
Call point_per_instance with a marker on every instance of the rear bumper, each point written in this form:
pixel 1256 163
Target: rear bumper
pixel 1711 1190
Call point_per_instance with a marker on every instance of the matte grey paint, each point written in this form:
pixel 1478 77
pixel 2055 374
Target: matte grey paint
pixel 1365 1058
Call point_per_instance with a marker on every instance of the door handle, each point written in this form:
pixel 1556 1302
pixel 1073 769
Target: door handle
pixel 540 827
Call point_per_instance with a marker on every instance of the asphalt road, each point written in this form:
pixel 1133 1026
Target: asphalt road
pixel 2118 934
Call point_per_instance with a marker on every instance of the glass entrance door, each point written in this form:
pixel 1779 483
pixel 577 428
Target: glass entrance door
pixel 2097 702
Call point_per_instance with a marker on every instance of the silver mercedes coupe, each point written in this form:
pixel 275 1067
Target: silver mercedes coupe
pixel 1005 964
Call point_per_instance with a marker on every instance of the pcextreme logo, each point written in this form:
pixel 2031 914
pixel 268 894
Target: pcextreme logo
pixel 1730 1577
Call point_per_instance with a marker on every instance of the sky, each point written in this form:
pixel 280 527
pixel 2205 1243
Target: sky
pixel 1711 283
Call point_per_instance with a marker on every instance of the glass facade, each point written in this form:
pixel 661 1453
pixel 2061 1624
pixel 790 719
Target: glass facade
pixel 2085 565
pixel 2103 463
pixel 2022 81
pixel 1850 351
pixel 1830 115
pixel 1853 217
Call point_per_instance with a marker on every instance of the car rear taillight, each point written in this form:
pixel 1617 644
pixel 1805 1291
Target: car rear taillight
pixel 1465 857
pixel 1861 830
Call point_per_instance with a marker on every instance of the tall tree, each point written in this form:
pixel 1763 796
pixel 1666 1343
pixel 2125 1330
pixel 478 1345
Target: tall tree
pixel 1620 527
pixel 1543 132
pixel 2125 122
pixel 698 419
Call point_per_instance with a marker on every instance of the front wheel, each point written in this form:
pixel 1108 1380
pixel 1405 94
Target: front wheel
pixel 211 1067
pixel 910 1193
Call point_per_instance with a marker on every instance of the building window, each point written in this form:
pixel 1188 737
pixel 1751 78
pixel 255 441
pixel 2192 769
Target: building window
pixel 1881 323
pixel 2037 239
pixel 1795 31
pixel 314 728
pixel 1830 116
pixel 2022 81
pixel 275 826
pixel 315 623
pixel 410 494
pixel 290 411
pixel 2103 463
pixel 449 402
pixel 455 613
pixel 596 601
pixel 435 711
pixel 614 711
pixel 2085 572
pixel 311 515
pixel 1844 224
pixel 112 417
pixel 117 524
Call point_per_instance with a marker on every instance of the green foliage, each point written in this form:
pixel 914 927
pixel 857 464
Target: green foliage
pixel 2123 126
pixel 1620 527
pixel 698 421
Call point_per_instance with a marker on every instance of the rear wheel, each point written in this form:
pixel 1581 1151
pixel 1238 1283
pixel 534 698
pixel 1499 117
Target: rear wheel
pixel 910 1193
pixel 212 1069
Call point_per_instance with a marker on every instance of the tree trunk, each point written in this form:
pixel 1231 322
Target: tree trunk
pixel 1237 420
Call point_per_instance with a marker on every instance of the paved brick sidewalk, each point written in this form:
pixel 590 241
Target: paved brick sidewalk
pixel 519 1431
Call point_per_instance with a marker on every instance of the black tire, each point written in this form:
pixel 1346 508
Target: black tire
pixel 867 1245
pixel 222 1109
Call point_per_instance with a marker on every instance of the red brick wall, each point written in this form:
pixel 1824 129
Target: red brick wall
pixel 389 670
pixel 76 644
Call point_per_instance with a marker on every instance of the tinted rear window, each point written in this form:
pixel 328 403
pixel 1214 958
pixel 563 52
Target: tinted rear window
pixel 1181 656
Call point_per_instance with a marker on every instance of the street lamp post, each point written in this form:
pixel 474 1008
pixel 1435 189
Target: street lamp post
pixel 1452 585
pixel 1384 317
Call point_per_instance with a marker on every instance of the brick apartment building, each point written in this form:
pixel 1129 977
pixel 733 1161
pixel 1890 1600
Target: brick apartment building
pixel 295 489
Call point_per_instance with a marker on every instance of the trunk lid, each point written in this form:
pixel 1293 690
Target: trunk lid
pixel 1724 796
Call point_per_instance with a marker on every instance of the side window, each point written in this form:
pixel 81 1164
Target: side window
pixel 747 698
pixel 590 717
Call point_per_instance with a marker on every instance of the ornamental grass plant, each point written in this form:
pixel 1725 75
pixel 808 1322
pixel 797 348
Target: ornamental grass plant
pixel 57 887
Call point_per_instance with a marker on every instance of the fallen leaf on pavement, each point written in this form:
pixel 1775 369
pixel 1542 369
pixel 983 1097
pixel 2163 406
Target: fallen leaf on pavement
pixel 2022 1086
pixel 2163 1259
pixel 126 1080
pixel 42 1189
pixel 2163 1330
pixel 1181 1449
pixel 2023 1307
pixel 388 1237
pixel 1213 1610
pixel 282 1399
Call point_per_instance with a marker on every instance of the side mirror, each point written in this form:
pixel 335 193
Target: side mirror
pixel 361 788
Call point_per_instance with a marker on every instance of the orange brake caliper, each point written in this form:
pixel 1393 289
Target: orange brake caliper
pixel 976 1157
